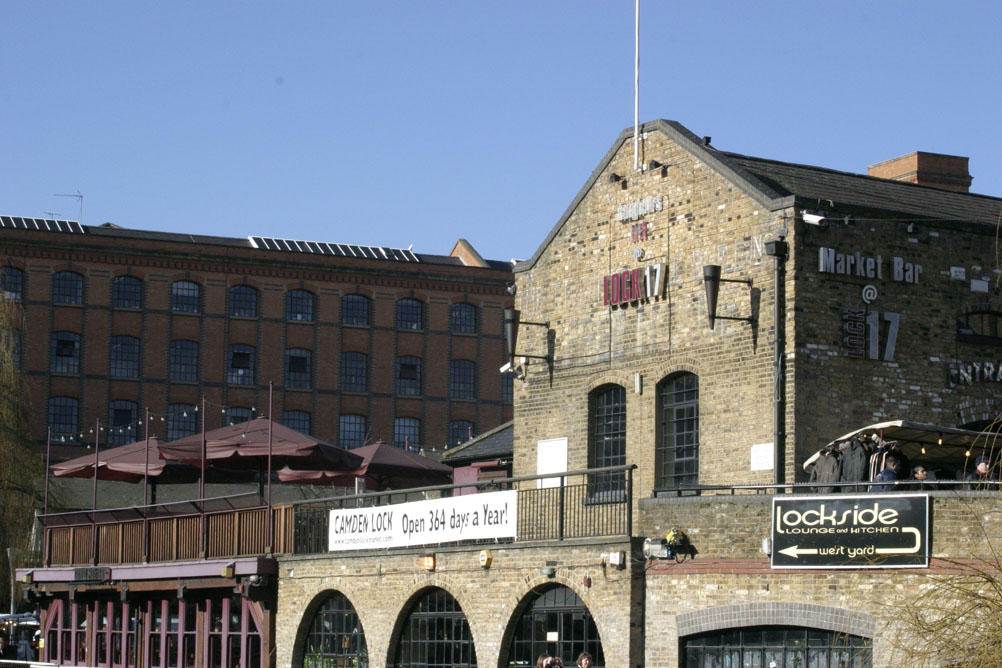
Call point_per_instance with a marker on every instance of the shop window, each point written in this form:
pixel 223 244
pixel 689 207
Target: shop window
pixel 233 635
pixel 297 369
pixel 462 379
pixel 64 352
pixel 122 425
pixel 555 622
pixel 607 440
pixel 299 305
pixel 185 297
pixel 238 414
pixel 677 445
pixel 983 327
pixel 410 314
pixel 351 431
pixel 123 357
pixel 67 288
pixel 354 372
pixel 436 634
pixel 408 378
pixel 12 283
pixel 63 419
pixel 182 420
pixel 126 292
pixel 407 433
pixel 183 361
pixel 355 310
pixel 240 367
pixel 171 632
pixel 335 637
pixel 464 319
pixel 297 420
pixel 243 301
pixel 460 431
pixel 779 646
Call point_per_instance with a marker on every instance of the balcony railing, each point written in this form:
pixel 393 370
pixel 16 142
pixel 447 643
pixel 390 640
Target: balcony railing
pixel 575 504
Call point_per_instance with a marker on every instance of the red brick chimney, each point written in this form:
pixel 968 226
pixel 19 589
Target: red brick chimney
pixel 928 169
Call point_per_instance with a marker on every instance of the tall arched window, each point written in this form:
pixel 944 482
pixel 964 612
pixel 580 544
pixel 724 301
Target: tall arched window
pixel 677 449
pixel 67 288
pixel 355 310
pixel 64 419
pixel 351 431
pixel 12 283
pixel 407 433
pixel 243 301
pixel 299 305
pixel 410 314
pixel 460 431
pixel 436 634
pixel 123 357
pixel 777 646
pixel 126 292
pixel 555 608
pixel 607 442
pixel 336 637
pixel 298 420
pixel 122 425
pixel 185 297
pixel 64 352
pixel 463 318
pixel 181 421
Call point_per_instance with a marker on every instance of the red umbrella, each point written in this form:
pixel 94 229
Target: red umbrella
pixel 245 445
pixel 384 467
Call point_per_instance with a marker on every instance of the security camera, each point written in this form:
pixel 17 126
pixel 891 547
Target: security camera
pixel 814 219
pixel 505 368
pixel 520 372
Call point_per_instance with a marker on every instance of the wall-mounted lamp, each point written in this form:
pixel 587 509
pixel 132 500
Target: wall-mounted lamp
pixel 510 289
pixel 548 571
pixel 428 562
pixel 817 219
pixel 767 545
pixel 615 178
pixel 712 281
pixel 485 558
pixel 654 164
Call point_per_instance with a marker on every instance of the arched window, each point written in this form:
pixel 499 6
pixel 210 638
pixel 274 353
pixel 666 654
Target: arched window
pixel 555 608
pixel 462 379
pixel 182 420
pixel 185 297
pixel 126 292
pixel 436 634
pixel 677 449
pixel 240 364
pixel 460 431
pixel 297 420
pixel 408 378
pixel 183 360
pixel 243 301
pixel 67 288
pixel 354 372
pixel 410 314
pixel 298 368
pixel 355 310
pixel 64 352
pixel 299 305
pixel 12 283
pixel 123 357
pixel 464 319
pixel 122 425
pixel 335 637
pixel 407 433
pixel 351 431
pixel 64 419
pixel 777 646
pixel 607 437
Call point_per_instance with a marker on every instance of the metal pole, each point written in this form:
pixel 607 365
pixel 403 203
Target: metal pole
pixel 268 522
pixel 12 553
pixel 146 486
pixel 779 391
pixel 93 519
pixel 48 450
pixel 201 488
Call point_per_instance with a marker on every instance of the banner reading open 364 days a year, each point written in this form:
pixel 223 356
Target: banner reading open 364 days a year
pixel 474 516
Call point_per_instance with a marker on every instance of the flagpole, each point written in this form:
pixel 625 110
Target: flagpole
pixel 93 519
pixel 146 486
pixel 636 88
pixel 271 418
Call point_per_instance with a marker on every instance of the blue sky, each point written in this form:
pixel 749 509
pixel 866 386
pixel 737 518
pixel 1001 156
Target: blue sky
pixel 397 123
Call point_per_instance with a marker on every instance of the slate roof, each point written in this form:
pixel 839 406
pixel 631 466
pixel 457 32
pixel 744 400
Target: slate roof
pixel 779 185
pixel 498 443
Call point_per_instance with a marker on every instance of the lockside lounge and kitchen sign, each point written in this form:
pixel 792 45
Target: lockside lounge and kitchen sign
pixel 869 531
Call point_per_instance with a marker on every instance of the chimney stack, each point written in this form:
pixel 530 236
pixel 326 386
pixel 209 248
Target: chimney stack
pixel 928 169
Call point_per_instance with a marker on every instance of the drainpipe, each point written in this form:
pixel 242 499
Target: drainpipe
pixel 779 250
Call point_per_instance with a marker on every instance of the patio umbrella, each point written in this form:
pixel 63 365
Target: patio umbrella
pixel 384 467
pixel 245 445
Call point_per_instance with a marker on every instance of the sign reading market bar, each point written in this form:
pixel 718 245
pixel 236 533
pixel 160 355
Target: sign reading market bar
pixel 869 531
pixel 469 517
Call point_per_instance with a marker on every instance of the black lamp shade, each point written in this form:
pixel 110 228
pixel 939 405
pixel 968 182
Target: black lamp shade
pixel 711 279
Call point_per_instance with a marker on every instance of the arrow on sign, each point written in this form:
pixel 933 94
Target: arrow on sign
pixel 795 551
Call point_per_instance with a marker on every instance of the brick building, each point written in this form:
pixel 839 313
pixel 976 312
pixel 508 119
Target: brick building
pixel 361 343
pixel 689 334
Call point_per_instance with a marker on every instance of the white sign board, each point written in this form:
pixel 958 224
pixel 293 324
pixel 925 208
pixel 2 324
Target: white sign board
pixel 551 457
pixel 470 517
pixel 762 457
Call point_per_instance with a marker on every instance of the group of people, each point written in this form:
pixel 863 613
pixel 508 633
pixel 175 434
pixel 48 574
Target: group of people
pixel 886 468
pixel 585 660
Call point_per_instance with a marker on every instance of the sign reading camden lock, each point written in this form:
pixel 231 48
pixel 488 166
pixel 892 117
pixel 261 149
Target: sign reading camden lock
pixel 870 531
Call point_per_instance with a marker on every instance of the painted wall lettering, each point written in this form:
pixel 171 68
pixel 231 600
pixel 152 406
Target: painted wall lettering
pixel 638 232
pixel 856 264
pixel 862 334
pixel 968 373
pixel 633 285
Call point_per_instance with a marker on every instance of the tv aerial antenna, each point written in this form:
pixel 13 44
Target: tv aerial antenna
pixel 79 197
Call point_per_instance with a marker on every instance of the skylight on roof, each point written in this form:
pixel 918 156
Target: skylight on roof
pixel 337 250
pixel 43 224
